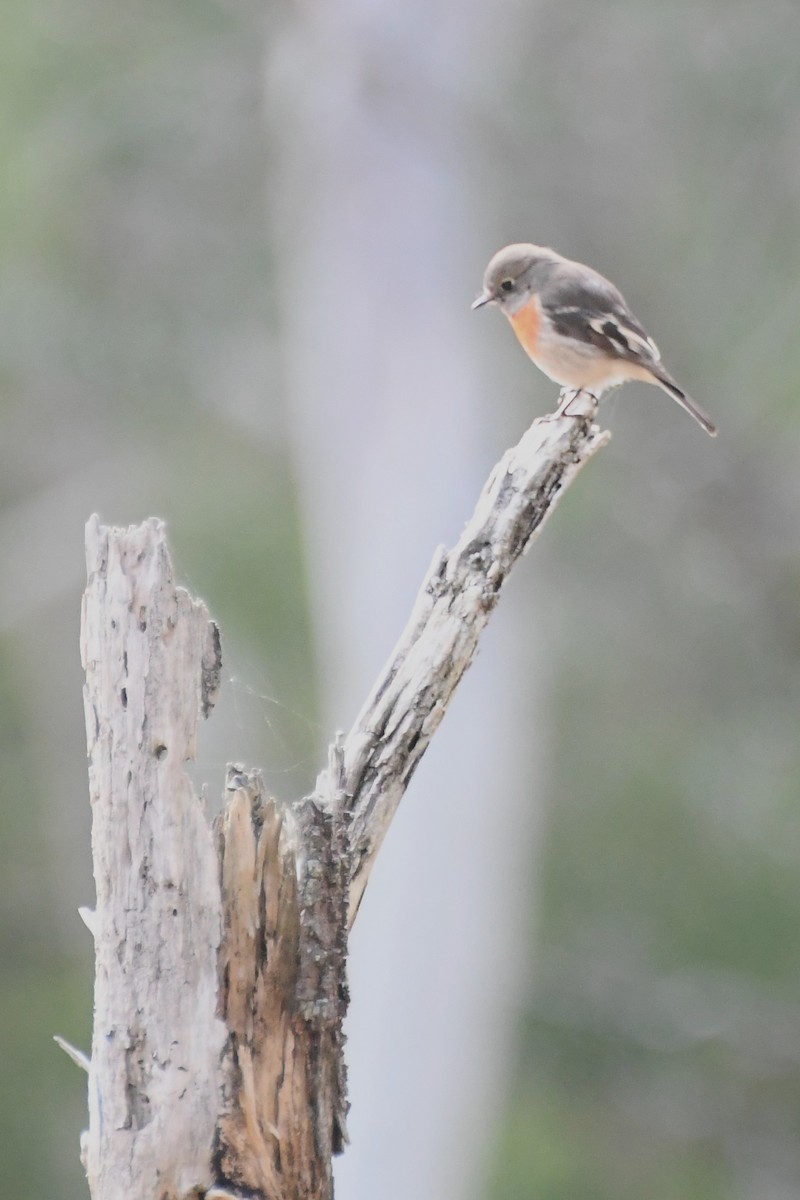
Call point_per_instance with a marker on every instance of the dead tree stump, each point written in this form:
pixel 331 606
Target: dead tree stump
pixel 217 1065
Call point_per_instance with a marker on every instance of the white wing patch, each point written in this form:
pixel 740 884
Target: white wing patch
pixel 616 330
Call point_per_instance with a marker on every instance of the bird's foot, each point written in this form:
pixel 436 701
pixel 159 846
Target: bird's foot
pixel 567 397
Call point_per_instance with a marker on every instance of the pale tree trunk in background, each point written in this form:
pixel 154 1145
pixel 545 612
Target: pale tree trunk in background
pixel 371 220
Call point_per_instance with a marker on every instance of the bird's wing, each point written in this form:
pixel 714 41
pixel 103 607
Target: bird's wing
pixel 582 304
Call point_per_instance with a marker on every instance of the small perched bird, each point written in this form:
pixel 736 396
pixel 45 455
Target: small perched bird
pixel 576 326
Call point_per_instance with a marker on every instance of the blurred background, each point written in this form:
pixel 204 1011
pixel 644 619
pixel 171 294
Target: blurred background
pixel 239 244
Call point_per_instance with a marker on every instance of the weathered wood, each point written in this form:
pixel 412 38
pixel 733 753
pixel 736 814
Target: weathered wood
pixel 155 1067
pixel 410 697
pixel 283 992
pixel 217 1065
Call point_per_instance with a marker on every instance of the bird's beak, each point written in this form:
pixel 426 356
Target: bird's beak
pixel 484 298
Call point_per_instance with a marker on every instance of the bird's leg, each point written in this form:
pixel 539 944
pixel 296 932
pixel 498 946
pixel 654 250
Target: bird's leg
pixel 566 397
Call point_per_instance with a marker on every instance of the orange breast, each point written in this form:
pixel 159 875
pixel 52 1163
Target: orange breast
pixel 526 324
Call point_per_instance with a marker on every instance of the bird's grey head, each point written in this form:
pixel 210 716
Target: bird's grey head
pixel 512 275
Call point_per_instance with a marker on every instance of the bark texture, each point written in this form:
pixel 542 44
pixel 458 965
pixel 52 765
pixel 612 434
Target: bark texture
pixel 463 585
pixel 282 991
pixel 217 1064
pixel 151 658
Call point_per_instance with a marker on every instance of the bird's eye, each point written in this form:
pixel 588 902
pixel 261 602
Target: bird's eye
pixel 507 285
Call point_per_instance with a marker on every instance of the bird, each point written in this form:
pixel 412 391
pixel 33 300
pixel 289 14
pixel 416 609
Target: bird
pixel 576 326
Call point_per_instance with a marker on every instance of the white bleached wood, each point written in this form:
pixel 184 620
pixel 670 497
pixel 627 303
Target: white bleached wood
pixel 217 1055
pixel 86 914
pixel 217 1062
pixel 155 1070
pixel 78 1057
pixel 410 696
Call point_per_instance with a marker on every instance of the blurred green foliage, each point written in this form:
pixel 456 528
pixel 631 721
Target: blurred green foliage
pixel 139 374
pixel 658 1056
pixel 135 336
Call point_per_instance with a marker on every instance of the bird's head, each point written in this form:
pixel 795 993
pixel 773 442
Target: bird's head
pixel 514 274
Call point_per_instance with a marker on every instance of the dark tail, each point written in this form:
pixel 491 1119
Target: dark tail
pixel 700 415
